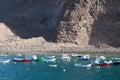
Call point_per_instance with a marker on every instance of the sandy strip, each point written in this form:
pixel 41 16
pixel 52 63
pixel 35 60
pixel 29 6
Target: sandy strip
pixel 62 50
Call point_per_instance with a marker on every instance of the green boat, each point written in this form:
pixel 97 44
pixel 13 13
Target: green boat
pixel 38 60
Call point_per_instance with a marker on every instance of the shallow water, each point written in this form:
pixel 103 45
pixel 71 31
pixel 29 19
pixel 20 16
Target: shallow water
pixel 56 70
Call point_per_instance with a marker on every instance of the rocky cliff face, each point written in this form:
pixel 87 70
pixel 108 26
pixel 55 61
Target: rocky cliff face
pixel 90 22
pixel 82 22
pixel 33 18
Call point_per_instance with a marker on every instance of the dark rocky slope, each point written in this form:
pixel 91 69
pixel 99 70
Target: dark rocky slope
pixel 83 22
pixel 31 18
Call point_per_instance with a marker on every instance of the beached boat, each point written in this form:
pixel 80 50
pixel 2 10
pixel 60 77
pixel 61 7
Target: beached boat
pixel 65 57
pixel 82 65
pixel 21 60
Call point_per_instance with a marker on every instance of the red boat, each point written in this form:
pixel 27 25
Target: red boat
pixel 21 60
pixel 104 64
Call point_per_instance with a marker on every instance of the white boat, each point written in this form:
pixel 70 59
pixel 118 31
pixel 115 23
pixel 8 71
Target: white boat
pixel 101 58
pixel 84 57
pixel 95 62
pixel 65 57
pixel 33 57
pixel 4 61
pixel 82 65
pixel 74 55
pixel 49 58
pixel 19 54
pixel 109 62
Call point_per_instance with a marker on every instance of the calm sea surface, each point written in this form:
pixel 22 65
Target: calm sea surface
pixel 58 70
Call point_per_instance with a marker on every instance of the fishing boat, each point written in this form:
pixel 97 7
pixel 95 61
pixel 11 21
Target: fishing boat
pixel 38 60
pixel 75 55
pixel 82 65
pixel 102 64
pixel 96 63
pixel 84 57
pixel 49 58
pixel 65 57
pixel 110 62
pixel 4 61
pixel 21 60
pixel 101 58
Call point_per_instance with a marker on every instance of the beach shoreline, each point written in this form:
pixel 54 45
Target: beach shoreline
pixel 40 46
pixel 61 51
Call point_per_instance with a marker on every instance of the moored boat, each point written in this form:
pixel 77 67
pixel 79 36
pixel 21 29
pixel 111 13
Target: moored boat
pixel 102 64
pixel 5 61
pixel 49 58
pixel 82 65
pixel 97 63
pixel 84 57
pixel 38 60
pixel 21 60
pixel 65 57
pixel 116 63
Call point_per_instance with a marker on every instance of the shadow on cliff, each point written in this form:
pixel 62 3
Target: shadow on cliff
pixel 33 18
pixel 106 28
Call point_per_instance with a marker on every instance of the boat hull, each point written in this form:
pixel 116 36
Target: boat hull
pixel 21 60
pixel 116 63
pixel 104 64
pixel 82 65
pixel 50 60
pixel 38 60
pixel 5 61
pixel 65 59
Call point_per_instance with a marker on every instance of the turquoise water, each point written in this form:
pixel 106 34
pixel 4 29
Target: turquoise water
pixel 62 71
